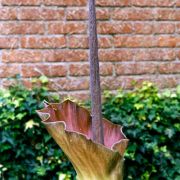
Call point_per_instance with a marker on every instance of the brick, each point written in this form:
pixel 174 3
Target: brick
pixel 9 42
pixel 159 80
pixel 114 28
pixel 79 69
pixel 68 28
pixel 178 28
pixel 165 14
pixel 30 14
pixel 177 14
pixel 41 14
pixel 132 14
pixel 111 83
pixel 106 69
pixel 144 41
pixel 151 3
pixel 143 28
pixel 65 2
pixel 154 54
pixel 135 68
pixel 166 81
pixel 82 42
pixel 53 14
pixel 165 3
pixel 50 70
pixel 76 14
pixel 83 69
pixel 65 55
pixel 75 28
pixel 9 70
pixel 115 55
pixel 135 41
pixel 56 28
pixel 78 42
pixel 143 3
pixel 35 70
pixel 164 28
pixel 21 28
pixel 43 42
pixel 167 41
pixel 177 41
pixel 169 68
pixel 8 13
pixel 178 54
pixel 105 42
pixel 22 56
pixel 178 3
pixel 70 84
pixel 58 70
pixel 113 3
pixel 103 13
pixel 82 14
pixel 21 2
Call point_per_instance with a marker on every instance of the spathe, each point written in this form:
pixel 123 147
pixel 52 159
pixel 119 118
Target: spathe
pixel 71 127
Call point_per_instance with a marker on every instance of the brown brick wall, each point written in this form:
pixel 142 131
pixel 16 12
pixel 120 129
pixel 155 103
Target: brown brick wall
pixel 138 40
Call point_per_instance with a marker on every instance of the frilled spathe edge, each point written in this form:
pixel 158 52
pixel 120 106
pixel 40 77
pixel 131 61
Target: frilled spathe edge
pixel 76 119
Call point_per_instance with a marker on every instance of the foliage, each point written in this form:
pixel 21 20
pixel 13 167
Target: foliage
pixel 27 150
pixel 151 122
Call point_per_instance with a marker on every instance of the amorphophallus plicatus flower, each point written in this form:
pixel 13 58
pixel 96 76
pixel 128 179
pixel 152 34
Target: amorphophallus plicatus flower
pixel 94 145
pixel 71 127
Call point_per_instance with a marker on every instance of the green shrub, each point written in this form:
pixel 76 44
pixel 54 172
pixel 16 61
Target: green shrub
pixel 26 149
pixel 151 121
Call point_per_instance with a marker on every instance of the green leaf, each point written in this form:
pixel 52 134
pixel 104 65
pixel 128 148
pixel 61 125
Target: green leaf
pixel 30 124
pixel 44 79
pixel 41 171
pixel 178 89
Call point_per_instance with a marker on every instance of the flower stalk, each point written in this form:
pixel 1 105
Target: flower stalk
pixel 95 89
